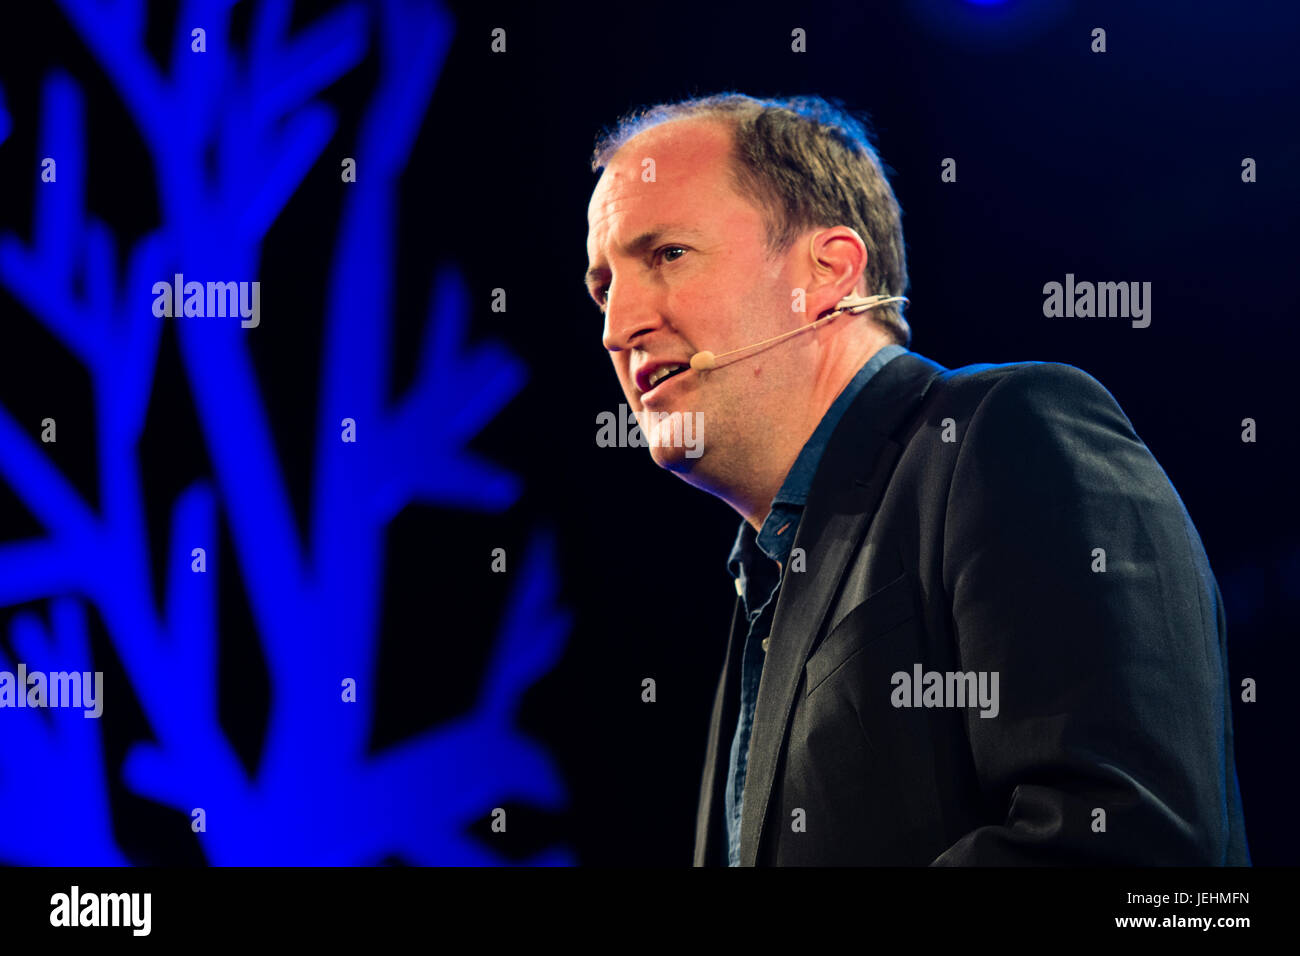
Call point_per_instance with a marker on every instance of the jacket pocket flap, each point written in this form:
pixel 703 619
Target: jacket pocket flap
pixel 877 615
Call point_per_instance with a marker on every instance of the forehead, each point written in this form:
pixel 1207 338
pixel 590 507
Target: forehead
pixel 692 162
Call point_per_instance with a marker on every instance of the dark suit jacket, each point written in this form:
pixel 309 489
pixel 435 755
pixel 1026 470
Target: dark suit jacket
pixel 953 523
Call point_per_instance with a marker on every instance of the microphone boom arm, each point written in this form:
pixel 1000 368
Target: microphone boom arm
pixel 705 360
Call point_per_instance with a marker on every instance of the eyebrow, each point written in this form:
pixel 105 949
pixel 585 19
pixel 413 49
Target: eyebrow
pixel 643 241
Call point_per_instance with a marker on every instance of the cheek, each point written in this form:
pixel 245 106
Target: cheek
pixel 701 311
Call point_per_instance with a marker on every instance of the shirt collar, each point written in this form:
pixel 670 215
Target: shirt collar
pixel 777 533
pixel 799 479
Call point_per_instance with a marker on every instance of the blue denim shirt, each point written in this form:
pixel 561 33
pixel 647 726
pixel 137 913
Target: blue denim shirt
pixel 754 565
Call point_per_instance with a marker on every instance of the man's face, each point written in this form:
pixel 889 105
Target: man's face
pixel 679 265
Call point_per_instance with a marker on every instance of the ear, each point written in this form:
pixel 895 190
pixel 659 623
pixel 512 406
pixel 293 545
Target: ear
pixel 837 260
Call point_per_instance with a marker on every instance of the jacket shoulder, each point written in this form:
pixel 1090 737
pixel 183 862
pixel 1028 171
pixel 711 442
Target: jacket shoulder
pixel 1027 384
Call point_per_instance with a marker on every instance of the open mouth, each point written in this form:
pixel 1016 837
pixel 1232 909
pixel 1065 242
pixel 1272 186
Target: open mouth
pixel 663 374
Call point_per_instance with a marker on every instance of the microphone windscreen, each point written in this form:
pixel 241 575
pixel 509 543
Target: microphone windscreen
pixel 702 361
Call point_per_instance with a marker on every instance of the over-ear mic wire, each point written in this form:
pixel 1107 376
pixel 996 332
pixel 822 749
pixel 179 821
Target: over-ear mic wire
pixel 850 305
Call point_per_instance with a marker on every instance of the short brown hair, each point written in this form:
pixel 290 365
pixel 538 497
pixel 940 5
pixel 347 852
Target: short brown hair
pixel 807 162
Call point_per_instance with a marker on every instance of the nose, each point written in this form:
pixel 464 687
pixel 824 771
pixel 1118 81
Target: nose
pixel 630 312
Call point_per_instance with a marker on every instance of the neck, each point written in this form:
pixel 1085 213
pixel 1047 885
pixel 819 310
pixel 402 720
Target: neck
pixel 768 463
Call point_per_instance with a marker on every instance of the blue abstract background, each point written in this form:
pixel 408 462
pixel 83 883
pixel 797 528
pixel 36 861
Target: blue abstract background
pixel 231 132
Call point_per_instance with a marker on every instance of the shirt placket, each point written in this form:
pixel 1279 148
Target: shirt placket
pixel 751 668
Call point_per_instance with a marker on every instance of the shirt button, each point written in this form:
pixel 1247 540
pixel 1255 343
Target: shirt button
pixel 765 640
pixel 739 590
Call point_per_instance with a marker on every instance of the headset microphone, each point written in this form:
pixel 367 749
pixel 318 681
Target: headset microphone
pixel 850 305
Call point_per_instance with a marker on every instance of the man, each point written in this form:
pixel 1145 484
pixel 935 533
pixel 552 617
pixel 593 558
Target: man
pixel 974 623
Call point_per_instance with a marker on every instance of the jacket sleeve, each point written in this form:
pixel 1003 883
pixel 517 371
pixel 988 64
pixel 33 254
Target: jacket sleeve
pixel 1075 573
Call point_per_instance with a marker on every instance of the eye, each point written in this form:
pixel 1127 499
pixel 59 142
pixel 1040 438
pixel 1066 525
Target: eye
pixel 602 291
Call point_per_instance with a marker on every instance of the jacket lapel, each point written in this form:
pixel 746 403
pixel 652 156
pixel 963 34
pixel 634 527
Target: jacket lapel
pixel 850 479
pixel 708 837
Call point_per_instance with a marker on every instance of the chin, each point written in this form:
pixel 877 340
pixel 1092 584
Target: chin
pixel 675 439
pixel 680 460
